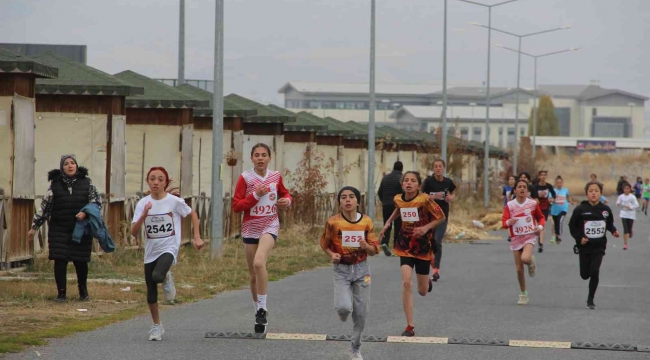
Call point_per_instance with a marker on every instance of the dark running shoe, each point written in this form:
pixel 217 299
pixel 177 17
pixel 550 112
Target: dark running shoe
pixel 558 240
pixel 430 285
pixel 509 239
pixel 260 317
pixel 576 250
pixel 591 305
pixel 386 250
pixel 410 331
pixel 436 275
pixel 541 248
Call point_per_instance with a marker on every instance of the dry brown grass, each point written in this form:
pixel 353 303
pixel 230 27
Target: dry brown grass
pixel 29 315
pixel 576 169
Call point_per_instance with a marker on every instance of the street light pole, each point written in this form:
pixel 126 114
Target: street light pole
pixel 370 192
pixel 535 87
pixel 518 76
pixel 181 45
pixel 216 205
pixel 444 90
pixel 486 151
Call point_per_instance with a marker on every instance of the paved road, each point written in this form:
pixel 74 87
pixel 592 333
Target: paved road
pixel 475 298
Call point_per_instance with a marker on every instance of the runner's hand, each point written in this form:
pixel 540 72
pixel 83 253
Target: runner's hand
pixel 382 232
pixel 336 258
pixel 419 232
pixel 584 241
pixel 511 222
pixel 617 234
pixel 198 243
pixel 539 229
pixel 448 198
pixel 261 190
pixel 363 244
pixel 147 207
pixel 283 203
pixel 81 216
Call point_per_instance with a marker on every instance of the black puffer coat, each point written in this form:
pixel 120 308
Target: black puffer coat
pixel 63 217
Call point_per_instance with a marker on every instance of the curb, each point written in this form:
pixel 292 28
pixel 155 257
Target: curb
pixel 432 340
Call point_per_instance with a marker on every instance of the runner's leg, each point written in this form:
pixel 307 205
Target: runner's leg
pixel 342 291
pixel 407 293
pixel 361 297
pixel 250 250
pixel 519 265
pixel 594 272
pixel 259 264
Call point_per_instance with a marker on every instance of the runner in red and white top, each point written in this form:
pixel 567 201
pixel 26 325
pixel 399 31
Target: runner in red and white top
pixel 524 219
pixel 259 194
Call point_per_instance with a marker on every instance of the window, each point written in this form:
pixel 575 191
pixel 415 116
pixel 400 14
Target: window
pixel 477 131
pixel 340 105
pixel 314 104
pixel 610 127
pixel 510 142
pixel 522 130
pixel 349 105
pixel 464 133
pixel 564 120
pixel 594 112
pixel 501 137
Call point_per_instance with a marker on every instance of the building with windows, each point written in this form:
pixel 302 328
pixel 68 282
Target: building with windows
pixel 582 110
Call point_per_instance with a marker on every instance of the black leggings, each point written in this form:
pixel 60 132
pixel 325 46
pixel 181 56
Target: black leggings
pixel 590 269
pixel 61 274
pixel 155 273
pixel 558 222
pixel 627 226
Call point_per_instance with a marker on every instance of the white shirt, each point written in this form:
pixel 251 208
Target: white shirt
pixel 162 227
pixel 627 200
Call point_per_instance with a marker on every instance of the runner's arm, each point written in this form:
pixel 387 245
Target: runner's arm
pixel 373 245
pixel 609 223
pixel 283 193
pixel 505 217
pixel 539 216
pixel 241 202
pixel 575 225
pixel 434 209
pixel 138 219
pixel 392 217
pixel 635 204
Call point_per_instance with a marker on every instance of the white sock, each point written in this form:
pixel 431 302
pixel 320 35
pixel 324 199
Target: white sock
pixel 257 305
pixel 261 301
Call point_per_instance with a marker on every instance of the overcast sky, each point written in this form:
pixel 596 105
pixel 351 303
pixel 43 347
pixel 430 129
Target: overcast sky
pixel 270 42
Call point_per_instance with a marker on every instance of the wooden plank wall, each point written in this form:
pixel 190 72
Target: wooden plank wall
pixel 21 84
pixel 18 249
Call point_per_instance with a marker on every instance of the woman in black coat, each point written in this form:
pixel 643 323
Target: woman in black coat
pixel 70 190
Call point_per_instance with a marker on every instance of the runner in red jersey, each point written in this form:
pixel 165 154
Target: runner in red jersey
pixel 523 217
pixel 259 194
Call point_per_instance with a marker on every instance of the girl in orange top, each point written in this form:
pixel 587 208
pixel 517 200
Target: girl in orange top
pixel 348 239
pixel 414 243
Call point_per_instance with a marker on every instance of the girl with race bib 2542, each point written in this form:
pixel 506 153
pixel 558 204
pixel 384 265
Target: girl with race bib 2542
pixel 259 194
pixel 160 213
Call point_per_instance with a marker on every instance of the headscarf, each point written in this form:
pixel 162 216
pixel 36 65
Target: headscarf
pixel 354 190
pixel 68 180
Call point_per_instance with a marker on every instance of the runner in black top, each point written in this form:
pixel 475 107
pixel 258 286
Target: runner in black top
pixel 545 196
pixel 441 190
pixel 531 191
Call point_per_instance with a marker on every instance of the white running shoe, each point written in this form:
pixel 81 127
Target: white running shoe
pixel 523 300
pixel 532 267
pixel 355 354
pixel 169 289
pixel 156 332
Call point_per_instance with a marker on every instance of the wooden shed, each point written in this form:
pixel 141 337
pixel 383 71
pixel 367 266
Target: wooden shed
pixel 18 76
pixel 86 106
pixel 159 132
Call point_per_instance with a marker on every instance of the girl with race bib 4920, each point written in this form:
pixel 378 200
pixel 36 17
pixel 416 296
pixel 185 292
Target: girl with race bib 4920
pixel 259 194
pixel 524 220
pixel 161 213
pixel 589 224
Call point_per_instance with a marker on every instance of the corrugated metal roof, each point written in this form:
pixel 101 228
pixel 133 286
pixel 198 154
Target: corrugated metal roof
pixel 11 62
pixel 76 78
pixel 157 94
pixel 583 92
pixel 230 108
pixel 462 112
pixel 341 88
pixel 265 114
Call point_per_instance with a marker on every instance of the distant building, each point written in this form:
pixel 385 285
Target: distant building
pixel 582 110
pixel 72 52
